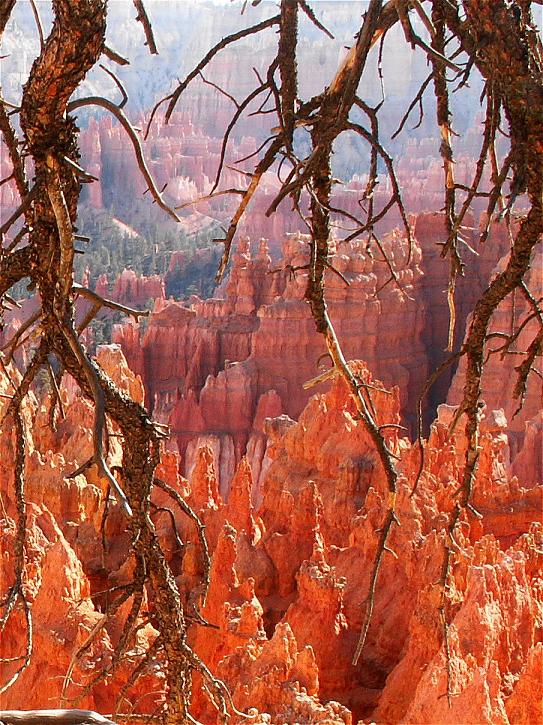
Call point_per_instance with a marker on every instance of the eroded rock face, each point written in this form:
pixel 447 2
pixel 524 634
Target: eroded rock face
pixel 500 375
pixel 132 289
pixel 289 578
pixel 186 152
pixel 215 369
pixel 65 562
pixel 212 367
pixel 429 231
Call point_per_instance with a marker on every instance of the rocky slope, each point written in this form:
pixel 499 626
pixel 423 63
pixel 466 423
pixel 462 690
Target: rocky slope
pixel 292 510
pixel 289 579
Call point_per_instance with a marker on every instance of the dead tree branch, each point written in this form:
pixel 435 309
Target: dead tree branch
pixel 143 18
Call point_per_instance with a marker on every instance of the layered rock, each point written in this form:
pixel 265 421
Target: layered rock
pixel 185 154
pixel 210 366
pixel 62 550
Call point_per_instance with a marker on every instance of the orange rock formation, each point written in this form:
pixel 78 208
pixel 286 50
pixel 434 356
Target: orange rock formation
pixel 289 579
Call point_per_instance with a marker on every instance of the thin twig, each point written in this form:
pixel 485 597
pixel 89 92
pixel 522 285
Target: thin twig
pixel 119 85
pixel 38 22
pixel 99 414
pixel 200 528
pixel 311 15
pixel 114 56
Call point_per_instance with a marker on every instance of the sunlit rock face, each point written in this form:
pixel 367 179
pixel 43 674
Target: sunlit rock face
pixel 289 576
pixel 288 486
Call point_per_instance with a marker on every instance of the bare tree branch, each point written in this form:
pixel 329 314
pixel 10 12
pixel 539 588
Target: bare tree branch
pixel 143 18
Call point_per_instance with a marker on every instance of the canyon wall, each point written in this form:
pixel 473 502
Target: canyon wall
pixel 286 481
pixel 131 289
